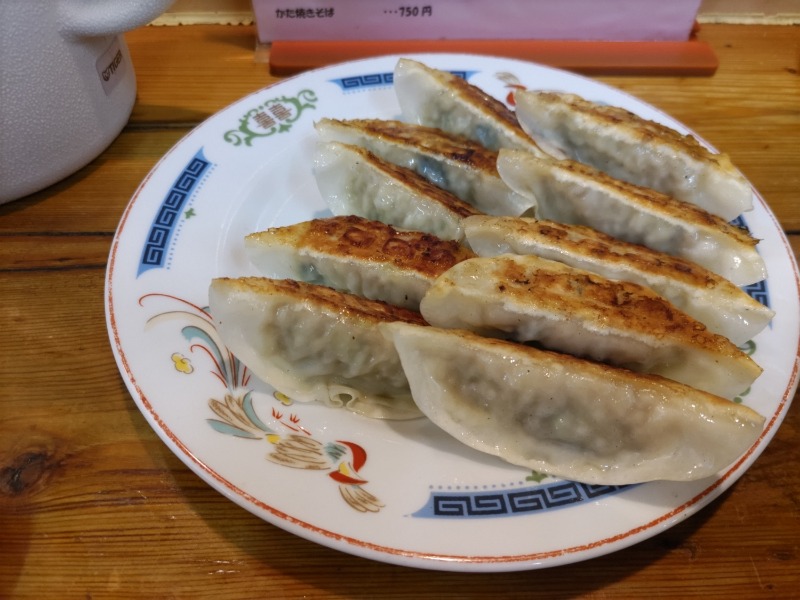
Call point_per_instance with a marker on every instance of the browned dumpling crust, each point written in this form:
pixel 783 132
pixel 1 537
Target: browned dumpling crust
pixel 723 307
pixel 531 299
pixel 567 416
pixel 570 192
pixel 355 238
pixel 419 184
pixel 634 149
pixel 432 139
pixel 315 344
pixel 461 166
pixel 356 255
pixel 366 312
pixel 436 98
pixel 353 180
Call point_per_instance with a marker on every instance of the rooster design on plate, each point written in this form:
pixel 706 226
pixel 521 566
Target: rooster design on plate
pixel 292 445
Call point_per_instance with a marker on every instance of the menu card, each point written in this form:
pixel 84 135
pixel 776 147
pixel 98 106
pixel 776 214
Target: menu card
pixel 596 20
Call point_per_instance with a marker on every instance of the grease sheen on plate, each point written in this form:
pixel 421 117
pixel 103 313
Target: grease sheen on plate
pixel 398 492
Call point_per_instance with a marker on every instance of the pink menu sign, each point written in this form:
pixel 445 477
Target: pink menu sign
pixel 599 20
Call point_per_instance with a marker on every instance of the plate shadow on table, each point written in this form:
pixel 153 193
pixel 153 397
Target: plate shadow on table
pixel 20 205
pixel 146 117
pixel 275 551
pixel 47 209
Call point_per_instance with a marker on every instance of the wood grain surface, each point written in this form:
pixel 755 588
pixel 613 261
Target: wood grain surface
pixel 94 505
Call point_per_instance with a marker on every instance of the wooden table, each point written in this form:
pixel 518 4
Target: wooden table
pixel 93 504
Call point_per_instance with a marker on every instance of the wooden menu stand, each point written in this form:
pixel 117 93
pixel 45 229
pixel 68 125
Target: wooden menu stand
pixel 676 58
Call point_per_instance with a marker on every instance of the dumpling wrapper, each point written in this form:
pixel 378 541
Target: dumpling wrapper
pixel 531 299
pixel 315 344
pixel 569 417
pixel 572 193
pixel 356 255
pixel 634 149
pixel 460 166
pixel 436 98
pixel 353 181
pixel 714 301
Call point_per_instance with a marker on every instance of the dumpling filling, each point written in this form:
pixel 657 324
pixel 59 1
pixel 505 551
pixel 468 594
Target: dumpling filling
pixel 531 299
pixel 315 344
pixel 568 417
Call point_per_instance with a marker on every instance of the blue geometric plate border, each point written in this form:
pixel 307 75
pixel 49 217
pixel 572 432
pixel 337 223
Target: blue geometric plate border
pixel 376 80
pixel 512 502
pixel 160 236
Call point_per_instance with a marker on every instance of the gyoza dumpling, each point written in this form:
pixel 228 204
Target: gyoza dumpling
pixel 633 149
pixel 531 299
pixel 569 417
pixel 354 181
pixel 355 255
pixel 714 301
pixel 456 164
pixel 573 193
pixel 436 98
pixel 315 344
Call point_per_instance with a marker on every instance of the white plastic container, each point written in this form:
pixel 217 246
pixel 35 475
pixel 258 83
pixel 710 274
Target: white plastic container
pixel 67 85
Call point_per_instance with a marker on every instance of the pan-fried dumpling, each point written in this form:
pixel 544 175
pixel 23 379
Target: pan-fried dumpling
pixel 355 255
pixel 354 181
pixel 456 164
pixel 633 149
pixel 573 193
pixel 714 301
pixel 436 98
pixel 566 416
pixel 315 344
pixel 531 299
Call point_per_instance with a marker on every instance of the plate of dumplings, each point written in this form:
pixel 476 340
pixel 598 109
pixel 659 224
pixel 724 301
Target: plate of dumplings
pixel 455 312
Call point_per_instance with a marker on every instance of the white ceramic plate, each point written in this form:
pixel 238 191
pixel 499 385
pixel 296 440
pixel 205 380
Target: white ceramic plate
pixel 399 492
